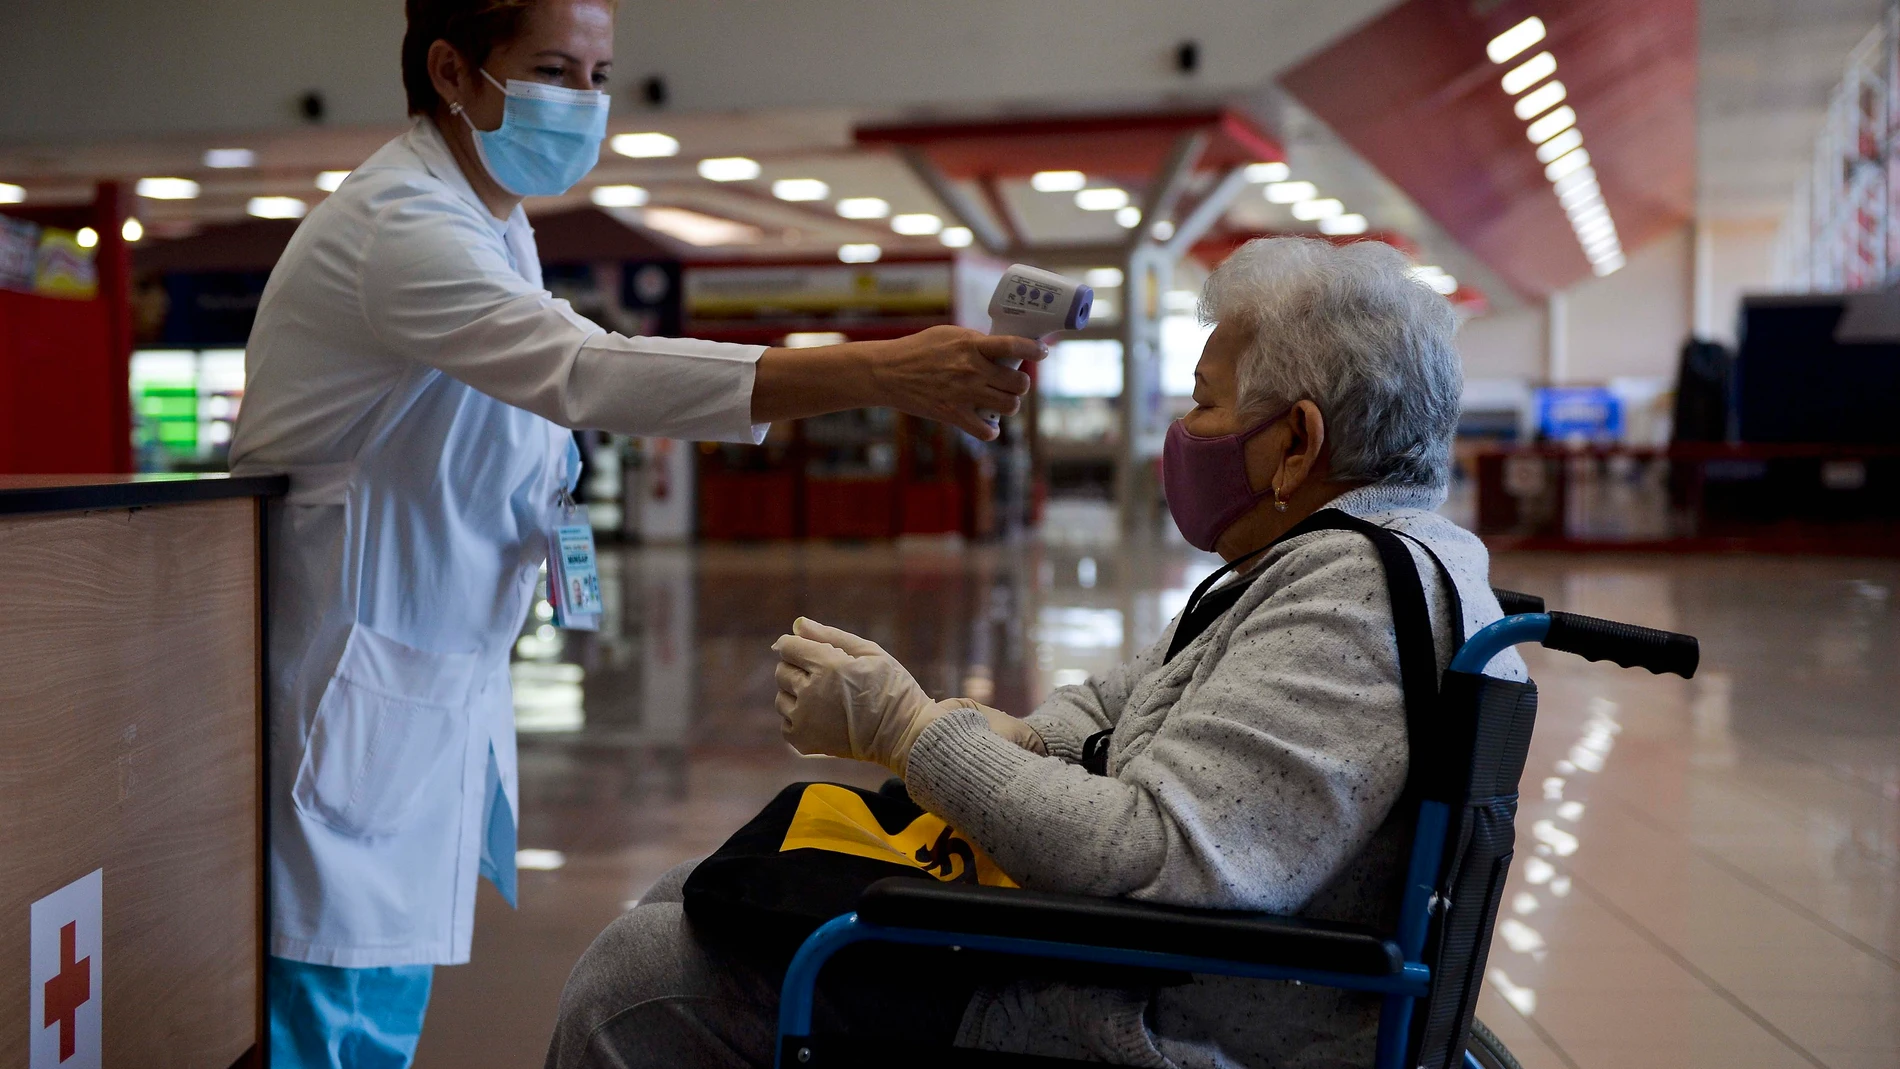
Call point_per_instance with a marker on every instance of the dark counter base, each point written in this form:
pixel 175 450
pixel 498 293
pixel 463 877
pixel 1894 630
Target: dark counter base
pixel 22 494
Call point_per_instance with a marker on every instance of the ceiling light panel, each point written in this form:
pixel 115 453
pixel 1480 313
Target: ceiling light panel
pixel 168 189
pixel 800 189
pixel 223 158
pixel 1290 192
pixel 618 196
pixel 1057 181
pixel 644 146
pixel 1347 224
pixel 1105 199
pixel 1268 172
pixel 729 169
pixel 916 224
pixel 864 208
pixel 1310 210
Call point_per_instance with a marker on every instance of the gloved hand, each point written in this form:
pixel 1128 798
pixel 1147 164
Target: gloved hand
pixel 1014 731
pixel 843 695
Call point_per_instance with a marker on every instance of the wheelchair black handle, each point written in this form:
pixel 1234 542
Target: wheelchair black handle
pixel 1626 644
pixel 1514 602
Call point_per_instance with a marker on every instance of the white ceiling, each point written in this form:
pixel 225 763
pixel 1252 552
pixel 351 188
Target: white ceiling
pixel 1767 70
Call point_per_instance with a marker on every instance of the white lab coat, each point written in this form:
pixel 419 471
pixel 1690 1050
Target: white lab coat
pixel 413 378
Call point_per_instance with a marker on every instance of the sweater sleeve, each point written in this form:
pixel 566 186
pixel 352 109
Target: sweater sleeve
pixel 1070 715
pixel 1272 769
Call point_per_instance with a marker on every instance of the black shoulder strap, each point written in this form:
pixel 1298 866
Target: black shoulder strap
pixel 1411 619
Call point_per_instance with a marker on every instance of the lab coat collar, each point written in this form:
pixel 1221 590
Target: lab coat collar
pixel 427 142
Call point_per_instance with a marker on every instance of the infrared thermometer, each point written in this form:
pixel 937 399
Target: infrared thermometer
pixel 1032 303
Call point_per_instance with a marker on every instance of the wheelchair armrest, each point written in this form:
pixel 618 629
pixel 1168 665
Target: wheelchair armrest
pixel 1255 938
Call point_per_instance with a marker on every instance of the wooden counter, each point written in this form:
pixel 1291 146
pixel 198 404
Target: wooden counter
pixel 131 744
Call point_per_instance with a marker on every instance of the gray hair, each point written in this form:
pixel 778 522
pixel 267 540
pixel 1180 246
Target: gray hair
pixel 1346 327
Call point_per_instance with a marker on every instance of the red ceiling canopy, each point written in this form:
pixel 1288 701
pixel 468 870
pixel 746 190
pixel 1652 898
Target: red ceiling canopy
pixel 1122 146
pixel 1414 93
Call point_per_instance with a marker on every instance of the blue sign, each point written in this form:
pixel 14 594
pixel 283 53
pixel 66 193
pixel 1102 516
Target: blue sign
pixel 1570 412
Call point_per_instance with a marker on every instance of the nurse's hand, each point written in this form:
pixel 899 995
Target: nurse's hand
pixel 953 375
pixel 950 374
pixel 844 696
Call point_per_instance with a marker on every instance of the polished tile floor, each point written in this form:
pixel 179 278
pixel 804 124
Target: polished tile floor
pixel 1708 872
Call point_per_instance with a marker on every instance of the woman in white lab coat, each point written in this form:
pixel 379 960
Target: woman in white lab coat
pixel 417 383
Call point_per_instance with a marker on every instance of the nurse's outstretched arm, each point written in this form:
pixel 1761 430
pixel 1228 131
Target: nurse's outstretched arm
pixel 436 287
pixel 949 374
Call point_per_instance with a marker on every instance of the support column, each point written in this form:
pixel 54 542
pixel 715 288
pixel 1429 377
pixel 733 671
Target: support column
pixel 1556 339
pixel 1703 292
pixel 1146 276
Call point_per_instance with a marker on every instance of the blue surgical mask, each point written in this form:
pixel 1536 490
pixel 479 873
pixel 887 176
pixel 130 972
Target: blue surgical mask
pixel 548 140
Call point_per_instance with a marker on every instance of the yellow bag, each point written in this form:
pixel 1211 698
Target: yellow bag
pixel 813 850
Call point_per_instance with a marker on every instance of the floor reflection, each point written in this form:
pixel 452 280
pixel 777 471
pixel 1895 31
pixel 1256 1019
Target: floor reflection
pixel 1708 872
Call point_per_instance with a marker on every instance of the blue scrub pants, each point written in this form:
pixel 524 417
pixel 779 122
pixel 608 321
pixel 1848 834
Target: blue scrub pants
pixel 323 1017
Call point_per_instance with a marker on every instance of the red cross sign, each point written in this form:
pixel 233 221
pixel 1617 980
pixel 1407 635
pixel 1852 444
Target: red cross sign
pixel 68 991
pixel 66 975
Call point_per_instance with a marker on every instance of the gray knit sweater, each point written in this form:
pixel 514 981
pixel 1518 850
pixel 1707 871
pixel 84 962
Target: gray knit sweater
pixel 1256 771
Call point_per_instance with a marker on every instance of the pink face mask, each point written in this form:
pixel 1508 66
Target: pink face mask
pixel 1205 481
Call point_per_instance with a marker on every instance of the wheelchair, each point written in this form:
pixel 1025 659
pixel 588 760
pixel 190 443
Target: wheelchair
pixel 1429 971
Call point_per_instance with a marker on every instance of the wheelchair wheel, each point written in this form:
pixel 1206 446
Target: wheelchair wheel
pixel 1487 1049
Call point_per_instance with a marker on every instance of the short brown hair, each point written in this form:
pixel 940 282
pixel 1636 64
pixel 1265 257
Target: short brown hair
pixel 473 27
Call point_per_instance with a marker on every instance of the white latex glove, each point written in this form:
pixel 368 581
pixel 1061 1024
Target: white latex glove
pixel 1012 730
pixel 843 695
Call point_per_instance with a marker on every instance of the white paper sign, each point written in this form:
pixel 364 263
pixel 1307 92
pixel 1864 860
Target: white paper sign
pixel 67 976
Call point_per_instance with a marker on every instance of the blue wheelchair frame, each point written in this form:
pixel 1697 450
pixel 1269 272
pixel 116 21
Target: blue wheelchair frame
pixel 1401 989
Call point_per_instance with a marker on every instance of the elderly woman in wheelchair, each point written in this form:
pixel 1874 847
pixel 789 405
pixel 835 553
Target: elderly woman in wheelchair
pixel 1254 758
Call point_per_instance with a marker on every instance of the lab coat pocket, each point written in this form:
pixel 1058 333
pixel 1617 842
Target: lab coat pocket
pixel 384 731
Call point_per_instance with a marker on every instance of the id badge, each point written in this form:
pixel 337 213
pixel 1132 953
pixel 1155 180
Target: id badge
pixel 574 574
pixel 580 576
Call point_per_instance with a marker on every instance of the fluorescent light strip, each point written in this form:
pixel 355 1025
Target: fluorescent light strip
pixel 1577 196
pixel 1557 146
pixel 1540 100
pixel 1551 125
pixel 1529 73
pixel 1577 180
pixel 1515 40
pixel 1571 162
pixel 1268 172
